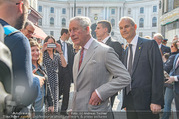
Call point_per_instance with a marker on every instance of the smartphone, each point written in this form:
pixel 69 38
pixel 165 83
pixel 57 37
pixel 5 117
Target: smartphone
pixel 51 45
pixel 39 72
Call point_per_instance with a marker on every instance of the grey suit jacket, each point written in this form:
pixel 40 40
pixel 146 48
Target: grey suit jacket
pixel 99 65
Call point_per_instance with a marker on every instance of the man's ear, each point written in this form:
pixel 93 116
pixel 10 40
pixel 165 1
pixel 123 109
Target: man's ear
pixel 106 30
pixel 135 26
pixel 88 28
pixel 20 6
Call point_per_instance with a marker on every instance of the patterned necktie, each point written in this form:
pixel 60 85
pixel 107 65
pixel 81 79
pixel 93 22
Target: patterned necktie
pixel 81 57
pixel 128 88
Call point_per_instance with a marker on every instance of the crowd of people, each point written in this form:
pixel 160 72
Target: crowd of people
pixel 146 69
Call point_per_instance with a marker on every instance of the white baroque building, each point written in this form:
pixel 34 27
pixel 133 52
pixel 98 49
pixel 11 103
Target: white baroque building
pixel 57 14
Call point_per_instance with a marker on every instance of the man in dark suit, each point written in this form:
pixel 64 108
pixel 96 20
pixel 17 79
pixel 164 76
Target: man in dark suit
pixel 143 98
pixel 174 77
pixel 163 49
pixel 69 56
pixel 103 31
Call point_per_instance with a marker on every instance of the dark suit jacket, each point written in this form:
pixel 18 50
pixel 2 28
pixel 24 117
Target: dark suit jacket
pixel 175 72
pixel 147 75
pixel 165 49
pixel 116 46
pixel 70 56
pixel 64 83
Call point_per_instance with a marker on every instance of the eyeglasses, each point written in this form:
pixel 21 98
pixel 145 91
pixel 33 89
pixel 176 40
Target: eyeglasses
pixel 30 32
pixel 29 10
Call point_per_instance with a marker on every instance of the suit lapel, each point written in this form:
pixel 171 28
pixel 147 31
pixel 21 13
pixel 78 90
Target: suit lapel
pixel 137 54
pixel 69 51
pixel 75 67
pixel 125 57
pixel 88 55
pixel 59 42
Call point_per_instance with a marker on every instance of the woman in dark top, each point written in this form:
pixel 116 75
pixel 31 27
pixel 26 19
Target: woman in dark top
pixel 168 65
pixel 45 91
pixel 53 62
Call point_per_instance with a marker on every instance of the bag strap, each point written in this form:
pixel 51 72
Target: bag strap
pixel 9 30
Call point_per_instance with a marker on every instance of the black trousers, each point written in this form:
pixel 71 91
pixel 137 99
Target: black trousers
pixel 65 91
pixel 132 113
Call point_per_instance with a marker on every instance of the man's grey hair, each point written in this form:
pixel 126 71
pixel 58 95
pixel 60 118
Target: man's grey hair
pixel 83 21
pixel 128 18
pixel 159 36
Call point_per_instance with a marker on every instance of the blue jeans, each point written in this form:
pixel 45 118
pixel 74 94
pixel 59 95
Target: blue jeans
pixel 169 95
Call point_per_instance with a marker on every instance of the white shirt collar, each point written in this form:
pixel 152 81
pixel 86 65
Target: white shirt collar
pixel 134 41
pixel 61 40
pixel 87 45
pixel 160 45
pixel 104 40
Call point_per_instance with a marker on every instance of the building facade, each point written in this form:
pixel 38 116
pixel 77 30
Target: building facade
pixel 57 14
pixel 169 18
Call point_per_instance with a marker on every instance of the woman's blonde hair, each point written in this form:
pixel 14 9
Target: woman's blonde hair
pixel 35 43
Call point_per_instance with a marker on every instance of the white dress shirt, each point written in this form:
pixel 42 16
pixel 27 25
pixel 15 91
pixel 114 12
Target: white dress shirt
pixel 104 40
pixel 134 45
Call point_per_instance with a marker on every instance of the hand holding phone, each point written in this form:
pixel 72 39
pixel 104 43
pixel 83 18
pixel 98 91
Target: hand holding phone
pixel 51 45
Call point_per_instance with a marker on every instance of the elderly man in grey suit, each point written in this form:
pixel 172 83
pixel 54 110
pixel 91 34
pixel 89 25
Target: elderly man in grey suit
pixel 93 69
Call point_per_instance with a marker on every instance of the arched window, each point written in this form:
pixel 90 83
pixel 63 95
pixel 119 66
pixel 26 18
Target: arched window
pixel 142 10
pixel 112 22
pixel 154 22
pixel 51 21
pixel 51 10
pixel 63 22
pixel 141 23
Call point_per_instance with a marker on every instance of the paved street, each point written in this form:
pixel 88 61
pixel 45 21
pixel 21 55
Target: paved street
pixel 118 113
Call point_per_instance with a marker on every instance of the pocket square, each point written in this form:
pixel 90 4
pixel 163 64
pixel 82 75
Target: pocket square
pixel 93 61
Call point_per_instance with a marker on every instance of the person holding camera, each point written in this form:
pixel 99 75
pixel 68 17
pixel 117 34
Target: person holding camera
pixel 55 66
pixel 44 97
